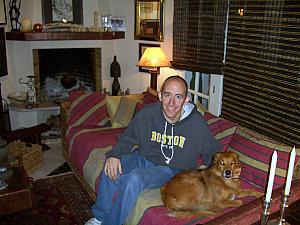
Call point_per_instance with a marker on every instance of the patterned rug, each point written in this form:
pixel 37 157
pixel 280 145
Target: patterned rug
pixel 58 199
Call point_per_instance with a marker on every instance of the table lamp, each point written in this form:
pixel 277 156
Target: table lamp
pixel 154 58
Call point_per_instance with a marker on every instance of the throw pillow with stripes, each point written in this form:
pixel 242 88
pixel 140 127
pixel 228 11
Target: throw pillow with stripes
pixel 222 129
pixel 255 152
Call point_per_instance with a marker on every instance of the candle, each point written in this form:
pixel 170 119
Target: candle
pixel 290 172
pixel 271 177
pixel 96 15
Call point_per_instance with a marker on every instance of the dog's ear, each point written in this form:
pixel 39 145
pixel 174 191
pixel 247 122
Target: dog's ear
pixel 235 155
pixel 216 157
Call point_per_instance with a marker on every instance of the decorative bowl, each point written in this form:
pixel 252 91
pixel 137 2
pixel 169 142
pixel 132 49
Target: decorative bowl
pixel 17 98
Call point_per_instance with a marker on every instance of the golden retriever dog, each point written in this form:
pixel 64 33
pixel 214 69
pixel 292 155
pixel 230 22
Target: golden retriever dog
pixel 204 192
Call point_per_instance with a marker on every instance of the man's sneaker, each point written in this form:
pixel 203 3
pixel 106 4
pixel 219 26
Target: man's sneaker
pixel 93 221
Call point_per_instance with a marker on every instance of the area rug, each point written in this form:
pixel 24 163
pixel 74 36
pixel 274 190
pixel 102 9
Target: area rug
pixel 63 168
pixel 58 199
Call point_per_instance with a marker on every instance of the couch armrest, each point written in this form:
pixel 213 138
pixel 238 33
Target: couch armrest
pixel 64 117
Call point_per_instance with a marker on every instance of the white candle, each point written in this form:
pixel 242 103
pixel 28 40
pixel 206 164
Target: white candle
pixel 290 172
pixel 271 177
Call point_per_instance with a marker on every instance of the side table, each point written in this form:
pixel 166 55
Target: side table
pixel 21 117
pixel 16 196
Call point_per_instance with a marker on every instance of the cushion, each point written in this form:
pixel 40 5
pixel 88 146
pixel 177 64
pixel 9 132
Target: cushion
pixel 87 109
pixel 122 108
pixel 222 129
pixel 150 96
pixel 200 108
pixel 112 103
pixel 255 152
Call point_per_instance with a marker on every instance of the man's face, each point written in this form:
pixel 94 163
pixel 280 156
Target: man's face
pixel 172 98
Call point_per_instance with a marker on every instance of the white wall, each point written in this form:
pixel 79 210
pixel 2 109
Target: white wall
pixel 19 53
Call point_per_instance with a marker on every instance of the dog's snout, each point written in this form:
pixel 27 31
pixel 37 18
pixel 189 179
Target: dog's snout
pixel 227 173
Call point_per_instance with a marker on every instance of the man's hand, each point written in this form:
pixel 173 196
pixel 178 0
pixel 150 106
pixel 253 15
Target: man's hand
pixel 112 167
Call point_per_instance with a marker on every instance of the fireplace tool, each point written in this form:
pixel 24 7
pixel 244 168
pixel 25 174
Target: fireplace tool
pixel 31 101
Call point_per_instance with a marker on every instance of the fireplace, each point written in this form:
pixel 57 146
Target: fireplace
pixel 80 67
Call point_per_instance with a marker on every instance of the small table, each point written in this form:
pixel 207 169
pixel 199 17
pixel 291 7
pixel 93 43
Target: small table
pixel 22 117
pixel 16 196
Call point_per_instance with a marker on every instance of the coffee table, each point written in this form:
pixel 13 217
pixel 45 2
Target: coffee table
pixel 16 196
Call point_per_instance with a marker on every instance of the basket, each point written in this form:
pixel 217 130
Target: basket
pixel 31 155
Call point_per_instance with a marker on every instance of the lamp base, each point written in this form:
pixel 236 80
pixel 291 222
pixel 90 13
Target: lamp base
pixel 153 82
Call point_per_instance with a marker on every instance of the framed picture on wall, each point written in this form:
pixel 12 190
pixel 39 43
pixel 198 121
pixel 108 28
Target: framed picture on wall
pixel 3 60
pixel 149 20
pixel 142 48
pixel 3 19
pixel 62 10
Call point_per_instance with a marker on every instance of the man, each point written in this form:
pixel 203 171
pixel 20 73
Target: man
pixel 170 135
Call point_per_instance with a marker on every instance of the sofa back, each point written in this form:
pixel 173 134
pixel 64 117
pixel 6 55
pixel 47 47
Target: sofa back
pixel 255 151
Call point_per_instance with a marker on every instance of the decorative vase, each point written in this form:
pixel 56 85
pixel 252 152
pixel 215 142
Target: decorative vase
pixel 115 72
pixel 115 87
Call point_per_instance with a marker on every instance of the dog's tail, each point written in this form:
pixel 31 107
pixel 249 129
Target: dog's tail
pixel 190 214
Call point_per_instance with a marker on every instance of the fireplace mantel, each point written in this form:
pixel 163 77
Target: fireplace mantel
pixel 54 36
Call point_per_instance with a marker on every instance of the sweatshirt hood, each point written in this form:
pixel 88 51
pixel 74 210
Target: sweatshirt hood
pixel 187 109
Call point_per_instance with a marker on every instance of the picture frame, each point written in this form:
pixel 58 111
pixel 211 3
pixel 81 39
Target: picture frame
pixel 3 18
pixel 142 48
pixel 118 23
pixel 3 59
pixel 149 20
pixel 57 10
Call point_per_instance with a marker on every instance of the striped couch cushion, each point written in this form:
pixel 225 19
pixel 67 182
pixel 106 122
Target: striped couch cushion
pixel 222 129
pixel 87 110
pixel 255 152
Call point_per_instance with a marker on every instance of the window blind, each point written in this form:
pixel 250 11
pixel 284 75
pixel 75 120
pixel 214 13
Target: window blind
pixel 198 35
pixel 261 76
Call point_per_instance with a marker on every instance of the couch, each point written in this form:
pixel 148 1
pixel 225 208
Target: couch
pixel 91 124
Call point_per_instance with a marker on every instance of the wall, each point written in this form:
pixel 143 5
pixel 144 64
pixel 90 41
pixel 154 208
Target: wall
pixel 20 53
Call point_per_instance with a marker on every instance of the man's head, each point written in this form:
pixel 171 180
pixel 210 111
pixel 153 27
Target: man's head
pixel 173 95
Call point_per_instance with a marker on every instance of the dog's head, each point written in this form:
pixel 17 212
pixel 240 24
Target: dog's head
pixel 227 164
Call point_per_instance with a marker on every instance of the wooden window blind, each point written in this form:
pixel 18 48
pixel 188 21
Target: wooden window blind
pixel 198 35
pixel 261 77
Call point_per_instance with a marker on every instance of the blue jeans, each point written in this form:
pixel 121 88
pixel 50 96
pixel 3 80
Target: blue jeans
pixel 115 199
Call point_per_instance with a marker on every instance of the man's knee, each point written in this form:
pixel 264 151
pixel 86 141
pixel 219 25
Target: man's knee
pixel 134 179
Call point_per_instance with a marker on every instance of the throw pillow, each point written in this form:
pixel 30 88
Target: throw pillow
pixel 255 152
pixel 112 103
pixel 150 96
pixel 201 108
pixel 122 108
pixel 222 129
pixel 87 109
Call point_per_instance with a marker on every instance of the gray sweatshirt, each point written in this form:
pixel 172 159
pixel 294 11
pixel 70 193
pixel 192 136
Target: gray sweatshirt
pixel 176 145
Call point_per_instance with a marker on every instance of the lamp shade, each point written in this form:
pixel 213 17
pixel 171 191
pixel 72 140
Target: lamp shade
pixel 154 57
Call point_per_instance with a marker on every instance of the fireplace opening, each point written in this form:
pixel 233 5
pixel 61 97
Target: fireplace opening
pixel 59 71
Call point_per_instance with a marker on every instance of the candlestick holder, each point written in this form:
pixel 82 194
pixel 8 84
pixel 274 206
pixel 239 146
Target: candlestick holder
pixel 265 213
pixel 283 207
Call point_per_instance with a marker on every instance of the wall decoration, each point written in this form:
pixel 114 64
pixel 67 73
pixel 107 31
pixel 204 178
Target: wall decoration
pixel 62 10
pixel 3 61
pixel 149 20
pixel 3 19
pixel 14 14
pixel 118 24
pixel 142 48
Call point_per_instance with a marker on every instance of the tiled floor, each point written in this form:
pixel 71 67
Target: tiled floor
pixel 53 158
